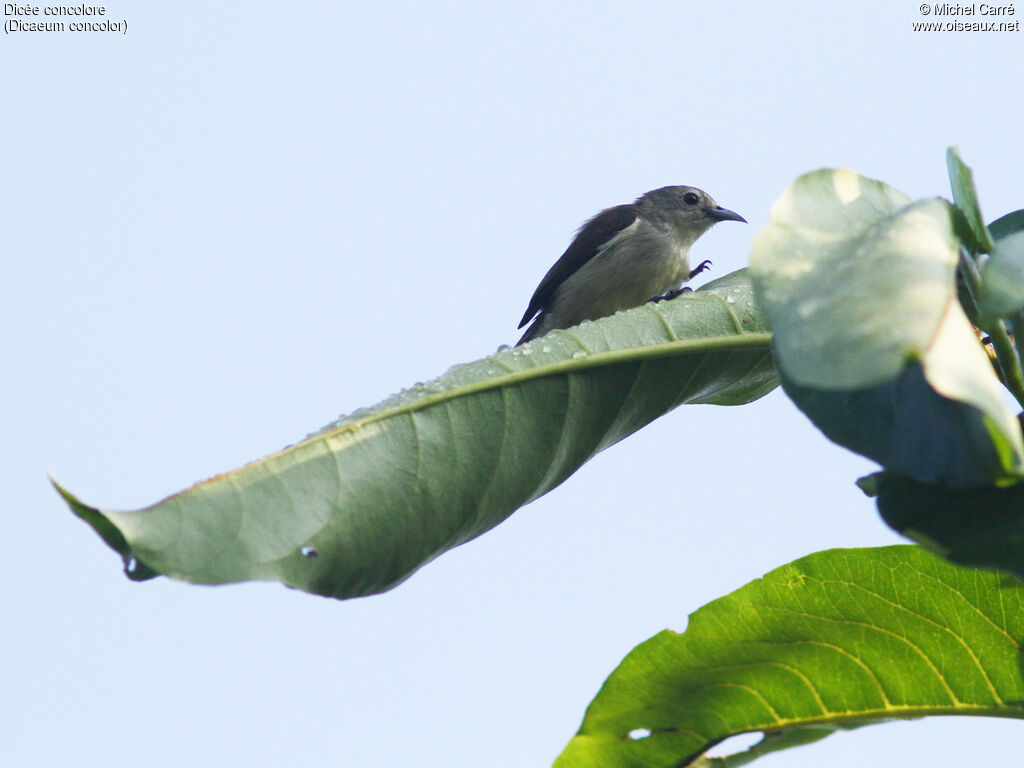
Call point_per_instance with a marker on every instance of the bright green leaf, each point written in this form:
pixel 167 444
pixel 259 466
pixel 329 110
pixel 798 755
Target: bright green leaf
pixel 1002 277
pixel 358 507
pixel 839 639
pixel 962 181
pixel 859 285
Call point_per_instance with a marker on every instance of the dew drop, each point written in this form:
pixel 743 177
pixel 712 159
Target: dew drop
pixel 132 565
pixel 527 351
pixel 308 551
pixel 545 348
pixel 639 733
pixel 730 299
pixel 579 353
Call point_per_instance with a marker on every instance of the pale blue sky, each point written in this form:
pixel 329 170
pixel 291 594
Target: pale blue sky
pixel 233 223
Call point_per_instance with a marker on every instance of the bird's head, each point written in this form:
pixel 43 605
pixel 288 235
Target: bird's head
pixel 686 209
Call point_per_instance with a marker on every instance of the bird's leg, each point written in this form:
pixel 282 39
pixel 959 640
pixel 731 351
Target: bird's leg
pixel 670 295
pixel 704 265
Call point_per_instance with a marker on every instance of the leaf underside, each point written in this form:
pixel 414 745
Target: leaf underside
pixel 981 527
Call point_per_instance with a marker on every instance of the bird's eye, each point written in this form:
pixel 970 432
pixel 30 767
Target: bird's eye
pixel 690 198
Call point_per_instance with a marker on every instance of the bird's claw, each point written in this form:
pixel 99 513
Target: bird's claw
pixel 703 266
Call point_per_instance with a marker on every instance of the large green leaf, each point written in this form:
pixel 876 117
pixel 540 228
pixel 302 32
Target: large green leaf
pixel 359 506
pixel 872 344
pixel 838 639
pixel 1002 277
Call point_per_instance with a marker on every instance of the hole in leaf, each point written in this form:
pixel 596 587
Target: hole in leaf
pixel 308 551
pixel 741 742
pixel 639 733
pixel 132 565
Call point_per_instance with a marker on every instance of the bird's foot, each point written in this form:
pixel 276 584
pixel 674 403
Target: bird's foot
pixel 671 294
pixel 703 266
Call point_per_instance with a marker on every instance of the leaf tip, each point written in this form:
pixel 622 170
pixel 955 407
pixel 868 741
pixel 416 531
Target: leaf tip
pixel 869 484
pixel 134 568
pixel 961 181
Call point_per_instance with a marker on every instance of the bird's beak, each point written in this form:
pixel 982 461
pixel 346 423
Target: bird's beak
pixel 724 214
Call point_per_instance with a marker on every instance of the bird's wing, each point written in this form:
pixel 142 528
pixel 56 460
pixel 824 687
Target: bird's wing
pixel 592 236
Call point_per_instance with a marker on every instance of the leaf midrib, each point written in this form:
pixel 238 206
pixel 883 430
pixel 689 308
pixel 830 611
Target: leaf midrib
pixel 749 340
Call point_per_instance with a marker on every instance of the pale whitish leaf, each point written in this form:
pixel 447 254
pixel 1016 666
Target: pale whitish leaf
pixel 859 285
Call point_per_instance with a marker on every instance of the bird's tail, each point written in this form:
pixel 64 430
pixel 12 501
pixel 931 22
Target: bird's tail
pixel 536 329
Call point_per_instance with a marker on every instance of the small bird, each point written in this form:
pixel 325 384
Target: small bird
pixel 623 257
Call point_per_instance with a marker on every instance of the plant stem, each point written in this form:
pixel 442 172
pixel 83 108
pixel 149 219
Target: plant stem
pixel 1009 362
pixel 1008 359
pixel 1016 325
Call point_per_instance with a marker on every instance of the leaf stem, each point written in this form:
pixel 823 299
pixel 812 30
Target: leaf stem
pixel 1016 325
